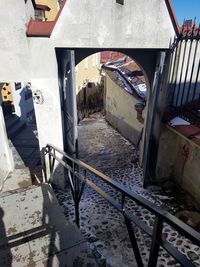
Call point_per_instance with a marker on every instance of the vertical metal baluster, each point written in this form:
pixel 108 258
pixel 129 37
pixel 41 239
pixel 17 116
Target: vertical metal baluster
pixel 82 186
pixel 76 202
pixel 53 162
pixel 182 65
pixel 179 48
pixel 192 71
pixel 196 82
pixel 50 163
pixel 186 72
pixel 155 245
pixel 133 242
pixel 43 153
pixel 172 78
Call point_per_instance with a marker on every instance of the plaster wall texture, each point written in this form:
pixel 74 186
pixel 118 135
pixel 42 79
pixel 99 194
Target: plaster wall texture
pixel 6 161
pixel 171 161
pixel 106 24
pixel 46 92
pixel 47 105
pixel 29 10
pixel 14 52
pixel 120 111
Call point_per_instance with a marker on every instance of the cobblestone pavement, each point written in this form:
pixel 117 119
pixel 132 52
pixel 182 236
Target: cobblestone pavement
pixel 105 149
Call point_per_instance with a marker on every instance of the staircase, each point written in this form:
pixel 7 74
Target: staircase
pixel 34 231
pixel 14 125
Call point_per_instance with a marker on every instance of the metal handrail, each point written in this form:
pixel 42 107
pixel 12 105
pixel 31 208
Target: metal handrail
pixel 74 165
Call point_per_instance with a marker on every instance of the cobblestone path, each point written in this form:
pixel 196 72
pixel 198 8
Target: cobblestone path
pixel 106 150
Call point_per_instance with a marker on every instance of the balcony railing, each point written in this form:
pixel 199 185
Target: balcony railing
pixel 78 177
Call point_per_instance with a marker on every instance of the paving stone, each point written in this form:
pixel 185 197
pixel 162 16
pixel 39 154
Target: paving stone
pixel 15 256
pixel 99 144
pixel 34 232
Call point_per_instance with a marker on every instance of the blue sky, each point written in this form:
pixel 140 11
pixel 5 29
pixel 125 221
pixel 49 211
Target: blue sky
pixel 186 9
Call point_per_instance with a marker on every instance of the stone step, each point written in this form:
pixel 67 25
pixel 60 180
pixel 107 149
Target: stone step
pixel 16 129
pixel 39 235
pixel 10 121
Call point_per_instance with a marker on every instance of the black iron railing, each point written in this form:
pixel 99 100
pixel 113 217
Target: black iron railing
pixel 78 178
pixel 185 67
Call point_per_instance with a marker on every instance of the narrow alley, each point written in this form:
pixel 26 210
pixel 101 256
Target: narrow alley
pixel 105 149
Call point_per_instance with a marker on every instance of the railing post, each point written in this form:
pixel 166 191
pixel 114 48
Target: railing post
pixel 47 164
pixel 76 196
pixel 133 242
pixel 156 239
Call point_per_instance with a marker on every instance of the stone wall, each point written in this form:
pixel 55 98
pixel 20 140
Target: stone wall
pixel 174 164
pixel 120 110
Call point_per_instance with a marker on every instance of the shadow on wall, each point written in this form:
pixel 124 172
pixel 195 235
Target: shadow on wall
pixel 26 105
pixel 90 99
pixel 21 128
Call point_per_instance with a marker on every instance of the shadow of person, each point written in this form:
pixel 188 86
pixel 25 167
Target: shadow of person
pixel 48 219
pixel 5 252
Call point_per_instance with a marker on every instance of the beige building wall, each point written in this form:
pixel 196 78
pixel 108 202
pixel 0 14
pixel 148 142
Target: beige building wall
pixel 120 110
pixel 88 70
pixel 6 92
pixel 53 4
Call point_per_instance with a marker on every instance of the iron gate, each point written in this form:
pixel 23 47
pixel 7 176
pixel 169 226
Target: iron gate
pixel 184 81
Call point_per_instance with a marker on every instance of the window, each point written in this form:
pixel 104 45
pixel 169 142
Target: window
pixel 121 2
pixel 18 86
pixel 89 85
pixel 39 15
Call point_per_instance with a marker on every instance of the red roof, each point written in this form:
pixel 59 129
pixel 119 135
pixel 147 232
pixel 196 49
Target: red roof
pixel 43 28
pixel 110 56
pixel 40 28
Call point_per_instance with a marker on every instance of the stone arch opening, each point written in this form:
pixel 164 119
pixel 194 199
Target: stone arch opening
pixel 112 82
pixel 145 59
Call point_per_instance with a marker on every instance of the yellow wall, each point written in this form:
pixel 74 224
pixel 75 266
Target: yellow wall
pixel 88 69
pixel 6 92
pixel 53 4
pixel 120 110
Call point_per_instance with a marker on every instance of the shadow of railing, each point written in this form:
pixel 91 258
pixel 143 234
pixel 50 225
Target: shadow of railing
pixel 78 178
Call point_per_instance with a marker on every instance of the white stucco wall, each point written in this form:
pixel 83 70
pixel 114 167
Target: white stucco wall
pixel 45 79
pixel 29 10
pixel 14 54
pixel 106 24
pixel 6 161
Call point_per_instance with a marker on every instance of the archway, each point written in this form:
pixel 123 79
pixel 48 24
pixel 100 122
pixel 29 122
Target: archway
pixel 151 62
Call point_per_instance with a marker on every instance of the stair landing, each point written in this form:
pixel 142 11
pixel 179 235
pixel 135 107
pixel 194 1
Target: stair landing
pixel 34 231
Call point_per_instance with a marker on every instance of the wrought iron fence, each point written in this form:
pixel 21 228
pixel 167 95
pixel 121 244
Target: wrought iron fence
pixel 185 67
pixel 78 178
